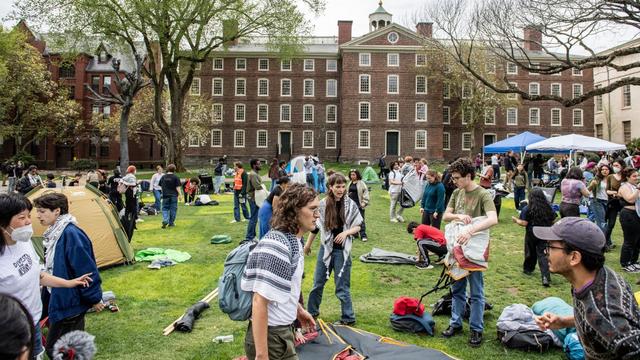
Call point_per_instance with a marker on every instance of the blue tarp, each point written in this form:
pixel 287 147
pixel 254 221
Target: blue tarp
pixel 516 143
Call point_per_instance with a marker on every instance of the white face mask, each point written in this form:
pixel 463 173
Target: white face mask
pixel 616 170
pixel 23 233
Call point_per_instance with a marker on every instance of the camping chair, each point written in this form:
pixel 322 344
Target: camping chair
pixel 444 281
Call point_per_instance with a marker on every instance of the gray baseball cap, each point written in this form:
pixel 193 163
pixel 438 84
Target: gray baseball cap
pixel 578 232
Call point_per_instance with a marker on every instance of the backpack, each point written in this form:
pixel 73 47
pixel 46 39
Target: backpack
pixel 122 188
pixel 145 185
pixel 234 301
pixel 526 340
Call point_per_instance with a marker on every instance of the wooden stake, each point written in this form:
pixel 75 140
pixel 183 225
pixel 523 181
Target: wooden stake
pixel 210 296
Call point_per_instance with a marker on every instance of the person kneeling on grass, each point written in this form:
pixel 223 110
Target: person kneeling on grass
pixel 428 238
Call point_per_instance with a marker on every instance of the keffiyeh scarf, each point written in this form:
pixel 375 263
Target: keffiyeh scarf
pixel 51 236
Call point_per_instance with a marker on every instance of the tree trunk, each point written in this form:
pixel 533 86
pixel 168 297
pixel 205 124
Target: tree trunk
pixel 124 137
pixel 174 141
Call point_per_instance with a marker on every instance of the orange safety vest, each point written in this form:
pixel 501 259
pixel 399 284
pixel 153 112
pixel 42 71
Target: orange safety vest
pixel 237 180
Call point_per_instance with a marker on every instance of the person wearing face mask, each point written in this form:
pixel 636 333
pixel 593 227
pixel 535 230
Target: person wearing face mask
pixel 20 274
pixel 613 204
pixel 68 252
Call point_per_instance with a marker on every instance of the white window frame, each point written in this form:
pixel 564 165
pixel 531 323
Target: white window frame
pixel 420 63
pixel 463 117
pixel 283 106
pixel 313 88
pixel 531 111
pixel 415 144
pixel 418 104
pixel 624 96
pixel 267 82
pixel 576 72
pixel 389 56
pixel 360 118
pixel 213 111
pixel 196 80
pixel 213 64
pixel 193 137
pixel 506 116
pixel 446 121
pixel 335 139
pixel 573 90
pixel 397 106
pixel 513 96
pixel 266 106
pixel 266 138
pixel 368 78
pixel 335 107
pixel 598 100
pixel 212 137
pixel 362 132
pixel 425 85
pixel 304 113
pixel 495 137
pixel 559 89
pixel 306 146
pixel 311 62
pixel 537 86
pixel 446 91
pixel 213 86
pixel 260 64
pixel 559 117
pixel 515 66
pixel 331 81
pixel 446 135
pixel 238 62
pixel 235 138
pixel 462 91
pixel 397 79
pixel 573 117
pixel 237 81
pixel 492 113
pixel 282 81
pixel 331 68
pixel 287 67
pixel 363 56
pixel 235 112
pixel 462 143
pixel 534 66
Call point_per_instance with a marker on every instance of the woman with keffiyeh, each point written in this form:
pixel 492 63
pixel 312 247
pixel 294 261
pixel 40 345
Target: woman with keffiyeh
pixel 339 220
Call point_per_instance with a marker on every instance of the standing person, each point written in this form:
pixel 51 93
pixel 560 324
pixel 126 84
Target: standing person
pixel 170 189
pixel 605 314
pixel 12 176
pixel 155 186
pixel 573 189
pixel 114 196
pixel 274 275
pixel 407 166
pixel 359 193
pixel 495 164
pixel 537 163
pixel 239 193
pixel 486 176
pixel 322 187
pixel 395 187
pixel 130 214
pixel 630 221
pixel 468 201
pixel 613 204
pixel 218 173
pixel 537 212
pixel 509 167
pixel 254 183
pixel 447 181
pixel 68 253
pixel 29 181
pixel 433 196
pixel 598 187
pixel 282 170
pixel 428 239
pixel 93 178
pixel 478 162
pixel 273 173
pixel 339 221
pixel 266 210
pixel 520 185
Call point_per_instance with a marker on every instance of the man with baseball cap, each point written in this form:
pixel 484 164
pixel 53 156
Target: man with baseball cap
pixel 606 315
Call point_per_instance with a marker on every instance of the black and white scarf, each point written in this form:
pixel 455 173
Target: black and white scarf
pixel 51 236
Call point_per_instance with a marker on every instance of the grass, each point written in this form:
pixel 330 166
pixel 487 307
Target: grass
pixel 149 300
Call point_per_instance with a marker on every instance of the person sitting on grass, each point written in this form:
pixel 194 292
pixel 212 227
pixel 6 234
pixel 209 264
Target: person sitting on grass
pixel 428 239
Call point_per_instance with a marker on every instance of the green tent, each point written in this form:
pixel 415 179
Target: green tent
pixel 370 176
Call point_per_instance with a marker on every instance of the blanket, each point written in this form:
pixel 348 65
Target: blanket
pixel 472 256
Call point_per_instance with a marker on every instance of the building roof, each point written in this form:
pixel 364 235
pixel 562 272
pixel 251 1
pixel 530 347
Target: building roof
pixel 380 10
pixel 316 45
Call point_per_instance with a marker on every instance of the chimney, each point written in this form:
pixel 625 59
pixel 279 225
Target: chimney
pixel 229 30
pixel 532 38
pixel 425 29
pixel 344 31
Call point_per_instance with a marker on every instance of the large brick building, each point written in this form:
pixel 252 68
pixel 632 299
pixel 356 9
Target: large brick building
pixel 356 98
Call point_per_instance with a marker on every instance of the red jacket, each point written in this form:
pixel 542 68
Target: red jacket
pixel 429 232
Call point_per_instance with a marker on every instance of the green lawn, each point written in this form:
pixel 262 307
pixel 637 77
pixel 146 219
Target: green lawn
pixel 149 300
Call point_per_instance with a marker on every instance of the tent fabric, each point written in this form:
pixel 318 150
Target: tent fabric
pixel 516 143
pixel 370 176
pixel 575 142
pixel 99 220
pixel 413 185
pixel 296 167
pixel 150 254
pixel 388 257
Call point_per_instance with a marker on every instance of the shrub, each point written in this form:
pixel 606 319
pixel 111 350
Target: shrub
pixel 84 164
pixel 26 158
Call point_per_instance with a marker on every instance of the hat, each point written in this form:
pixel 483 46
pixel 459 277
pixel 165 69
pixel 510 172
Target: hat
pixel 578 232
pixel 129 180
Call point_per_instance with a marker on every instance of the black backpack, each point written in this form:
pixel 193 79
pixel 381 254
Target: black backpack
pixel 443 306
pixel 526 340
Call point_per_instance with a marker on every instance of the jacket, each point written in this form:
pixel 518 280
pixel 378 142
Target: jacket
pixel 240 181
pixel 73 258
pixel 433 198
pixel 363 193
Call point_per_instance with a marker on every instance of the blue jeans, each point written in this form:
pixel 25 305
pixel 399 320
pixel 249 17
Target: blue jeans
pixel 343 284
pixel 253 220
pixel 458 289
pixel 321 184
pixel 599 208
pixel 169 210
pixel 218 183
pixel 518 196
pixel 237 205
pixel 264 218
pixel 12 184
pixel 273 184
pixel 37 345
pixel 157 194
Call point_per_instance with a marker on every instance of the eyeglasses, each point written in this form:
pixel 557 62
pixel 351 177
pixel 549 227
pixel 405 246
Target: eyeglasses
pixel 546 249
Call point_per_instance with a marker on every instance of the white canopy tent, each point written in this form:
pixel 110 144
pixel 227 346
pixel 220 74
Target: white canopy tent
pixel 573 143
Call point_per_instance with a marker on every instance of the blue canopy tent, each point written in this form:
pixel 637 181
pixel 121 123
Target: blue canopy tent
pixel 516 143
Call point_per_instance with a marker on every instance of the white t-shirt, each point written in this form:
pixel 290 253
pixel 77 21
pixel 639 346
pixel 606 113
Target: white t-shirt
pixel 286 313
pixel 20 276
pixel 494 160
pixel 397 176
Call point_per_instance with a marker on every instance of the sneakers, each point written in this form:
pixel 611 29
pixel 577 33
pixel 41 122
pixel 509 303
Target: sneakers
pixel 631 268
pixel 364 239
pixel 233 221
pixel 400 218
pixel 139 220
pixel 475 340
pixel 423 266
pixel 345 323
pixel 545 281
pixel 164 225
pixel 394 220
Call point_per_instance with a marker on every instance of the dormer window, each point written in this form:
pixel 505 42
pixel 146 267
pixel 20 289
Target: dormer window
pixel 103 56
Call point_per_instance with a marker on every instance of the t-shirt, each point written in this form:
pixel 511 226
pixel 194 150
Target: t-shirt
pixel 286 313
pixel 429 232
pixel 20 276
pixel 277 191
pixel 570 189
pixel 155 181
pixel 613 184
pixel 397 176
pixel 353 193
pixel 494 160
pixel 474 203
pixel 526 216
pixel 488 173
pixel 169 184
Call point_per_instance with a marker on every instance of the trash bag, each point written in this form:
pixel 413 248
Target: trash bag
pixel 186 323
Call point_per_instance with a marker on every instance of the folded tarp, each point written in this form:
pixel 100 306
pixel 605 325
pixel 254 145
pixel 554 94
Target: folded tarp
pixel 150 254
pixel 186 323
pixel 388 257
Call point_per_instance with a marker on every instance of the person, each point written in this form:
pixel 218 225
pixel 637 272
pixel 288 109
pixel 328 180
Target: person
pixel 605 314
pixel 339 221
pixel 407 166
pixel 613 204
pixel 630 221
pixel 191 190
pixel 274 275
pixel 282 169
pixel 447 181
pixel 395 187
pixel 18 336
pixel 322 188
pixel 254 182
pixel 486 176
pixel 468 201
pixel 273 173
pixel 537 212
pixel 572 188
pixel 114 196
pixel 510 163
pixel 598 204
pixel 12 175
pixel 102 183
pixel 359 193
pixel 68 252
pixel 478 162
pixel 130 210
pixel 239 193
pixel 422 167
pixel 76 180
pixel 308 170
pixel 93 178
pixel 50 183
pixel 428 239
pixel 520 185
pixel 170 189
pixel 218 173
pixel 495 164
pixel 157 189
pixel 29 181
pixel 537 163
pixel 266 210
pixel 432 204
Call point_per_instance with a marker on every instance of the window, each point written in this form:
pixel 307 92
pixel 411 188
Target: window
pixel 446 115
pixel 513 96
pixel 67 70
pixel 216 112
pixel 241 64
pixel 466 141
pixel 488 139
pixel 534 88
pixel 392 84
pixel 626 96
pixel 577 117
pixel 446 141
pixel 194 141
pixel 509 135
pixel 241 87
pixel 238 138
pixel 330 141
pixel 285 113
pixel 392 111
pixel 490 116
pixel 512 116
pixel 576 72
pixel 393 59
pixel 421 111
pixel 217 87
pixel 512 68
pixel 285 65
pixel 467 117
pixel 421 140
pixel 599 133
pixel 332 65
pixel 533 67
pixel 421 60
pixel 626 131
pixel 198 66
pixel 466 91
pixel 421 84
pixel 240 112
pixel 393 37
pixel 598 100
pixel 263 113
pixel 365 84
pixel 309 65
pixel 446 91
pixel 309 87
pixel 95 109
pixel 332 88
pixel 363 139
pixel 556 117
pixel 216 138
pixel 556 89
pixel 534 116
pixel 263 64
pixel 332 113
pixel 365 111
pixel 307 139
pixel 365 59
pixel 218 64
pixel 106 81
pixel 261 138
pixel 285 87
pixel 307 113
pixel 106 111
pixel 195 86
pixel 577 90
pixel 263 87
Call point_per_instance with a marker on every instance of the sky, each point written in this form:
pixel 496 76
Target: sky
pixel 358 11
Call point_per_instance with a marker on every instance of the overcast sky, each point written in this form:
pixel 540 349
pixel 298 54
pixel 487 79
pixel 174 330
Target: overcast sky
pixel 402 10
